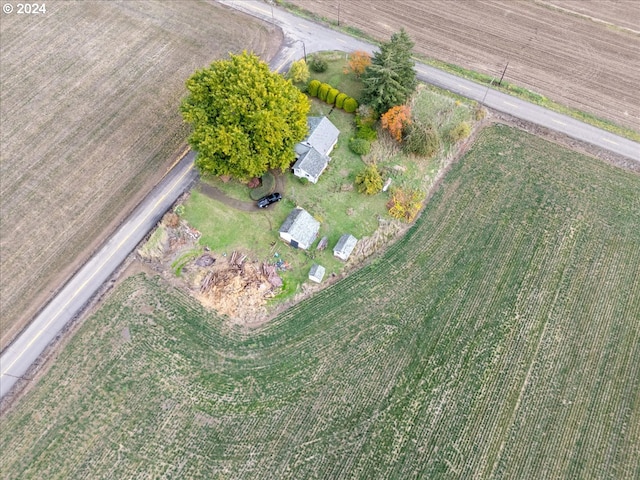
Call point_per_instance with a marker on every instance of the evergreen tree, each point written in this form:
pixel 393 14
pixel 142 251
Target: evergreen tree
pixel 391 77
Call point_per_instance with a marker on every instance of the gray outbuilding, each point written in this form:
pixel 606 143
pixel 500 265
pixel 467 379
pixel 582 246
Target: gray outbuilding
pixel 345 246
pixel 316 273
pixel 299 229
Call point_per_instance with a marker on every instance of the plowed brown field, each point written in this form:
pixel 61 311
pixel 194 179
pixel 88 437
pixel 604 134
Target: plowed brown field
pixel 584 54
pixel 90 120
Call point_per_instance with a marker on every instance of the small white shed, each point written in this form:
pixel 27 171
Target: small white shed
pixel 316 273
pixel 345 246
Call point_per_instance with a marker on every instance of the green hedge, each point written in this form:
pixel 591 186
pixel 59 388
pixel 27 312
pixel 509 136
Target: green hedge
pixel 340 99
pixel 314 85
pixel 350 105
pixel 331 96
pixel 323 91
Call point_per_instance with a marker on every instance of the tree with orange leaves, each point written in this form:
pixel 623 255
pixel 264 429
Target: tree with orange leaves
pixel 396 120
pixel 358 62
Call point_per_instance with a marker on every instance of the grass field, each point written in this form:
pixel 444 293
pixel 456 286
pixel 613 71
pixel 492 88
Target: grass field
pixel 90 121
pixel 500 338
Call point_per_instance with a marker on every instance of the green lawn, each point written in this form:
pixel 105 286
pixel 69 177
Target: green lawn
pixel 335 76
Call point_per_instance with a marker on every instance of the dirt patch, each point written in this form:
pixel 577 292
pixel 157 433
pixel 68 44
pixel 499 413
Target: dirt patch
pixel 233 285
pixel 590 65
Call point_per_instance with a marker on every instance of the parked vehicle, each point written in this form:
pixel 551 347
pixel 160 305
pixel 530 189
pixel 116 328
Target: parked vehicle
pixel 267 200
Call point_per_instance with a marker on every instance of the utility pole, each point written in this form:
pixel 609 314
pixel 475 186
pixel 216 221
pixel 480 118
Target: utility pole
pixel 304 49
pixel 503 72
pixel 273 20
pixel 487 91
pixel 338 13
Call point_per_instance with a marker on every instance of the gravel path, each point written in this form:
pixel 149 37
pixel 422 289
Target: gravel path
pixel 245 206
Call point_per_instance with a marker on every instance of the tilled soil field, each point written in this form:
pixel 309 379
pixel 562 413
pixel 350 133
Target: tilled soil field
pixel 90 121
pixel 582 54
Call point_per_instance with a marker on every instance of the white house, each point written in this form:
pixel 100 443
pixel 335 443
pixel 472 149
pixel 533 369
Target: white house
pixel 345 246
pixel 312 154
pixel 316 273
pixel 299 229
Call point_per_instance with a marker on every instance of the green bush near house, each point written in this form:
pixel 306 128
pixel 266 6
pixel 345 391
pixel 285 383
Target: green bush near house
pixel 323 91
pixel 350 105
pixel 331 95
pixel 359 146
pixel 340 99
pixel 313 87
pixel 367 132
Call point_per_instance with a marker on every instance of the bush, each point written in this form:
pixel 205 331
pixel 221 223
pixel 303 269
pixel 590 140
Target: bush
pixel 350 105
pixel 318 64
pixel 298 72
pixel 421 140
pixel 369 181
pixel 253 183
pixel 365 115
pixel 367 132
pixel 268 184
pixel 331 96
pixel 396 120
pixel 303 180
pixel 340 99
pixel 405 204
pixel 171 219
pixel 462 130
pixel 323 91
pixel 359 146
pixel 479 113
pixel 314 85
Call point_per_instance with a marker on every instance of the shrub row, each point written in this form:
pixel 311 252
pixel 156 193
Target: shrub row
pixel 332 96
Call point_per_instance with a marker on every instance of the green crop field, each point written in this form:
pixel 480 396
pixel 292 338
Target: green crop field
pixel 500 338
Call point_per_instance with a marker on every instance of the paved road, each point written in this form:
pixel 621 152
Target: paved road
pixel 301 35
pixel 24 351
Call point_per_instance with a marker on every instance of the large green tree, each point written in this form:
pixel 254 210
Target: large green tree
pixel 391 78
pixel 246 119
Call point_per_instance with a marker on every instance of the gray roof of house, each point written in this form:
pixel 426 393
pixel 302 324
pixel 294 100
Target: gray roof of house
pixel 322 134
pixel 302 227
pixel 346 244
pixel 312 162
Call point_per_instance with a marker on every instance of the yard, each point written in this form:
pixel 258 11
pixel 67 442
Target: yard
pixel 334 200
